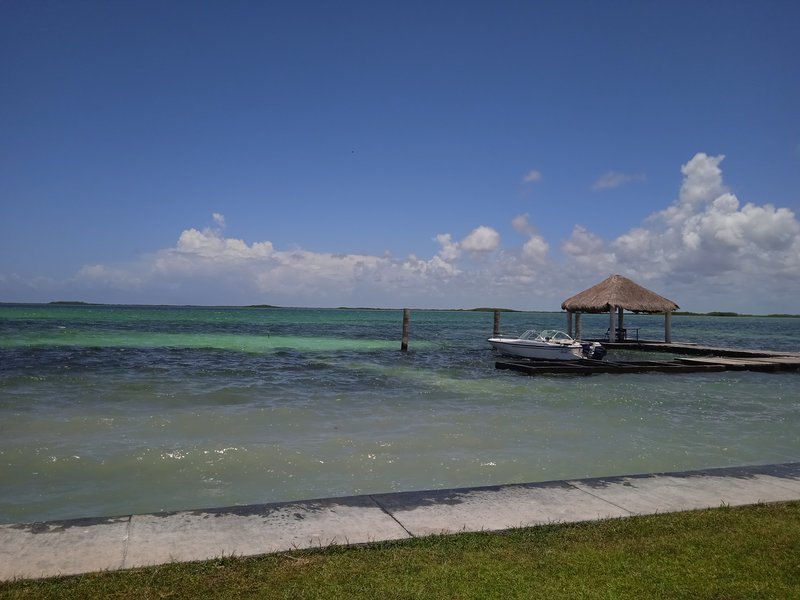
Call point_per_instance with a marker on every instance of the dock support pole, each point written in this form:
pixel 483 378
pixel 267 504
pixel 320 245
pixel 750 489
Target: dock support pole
pixel 404 341
pixel 577 326
pixel 611 325
pixel 496 328
pixel 668 327
pixel 569 323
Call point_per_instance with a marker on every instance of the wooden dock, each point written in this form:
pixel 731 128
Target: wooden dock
pixel 703 360
pixel 692 349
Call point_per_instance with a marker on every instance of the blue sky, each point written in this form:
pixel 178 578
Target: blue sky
pixel 423 154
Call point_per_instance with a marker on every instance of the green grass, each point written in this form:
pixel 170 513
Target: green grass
pixel 746 552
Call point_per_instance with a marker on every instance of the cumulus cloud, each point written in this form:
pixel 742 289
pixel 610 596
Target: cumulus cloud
pixel 522 224
pixel 536 248
pixel 481 239
pixel 702 181
pixel 208 259
pixel 613 179
pixel 450 250
pixel 706 231
pixel 583 243
pixel 705 239
pixel 210 244
pixel 706 249
pixel 205 257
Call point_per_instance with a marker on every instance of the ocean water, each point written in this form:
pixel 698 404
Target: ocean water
pixel 109 410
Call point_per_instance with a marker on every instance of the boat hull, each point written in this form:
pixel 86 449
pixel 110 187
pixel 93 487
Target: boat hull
pixel 536 350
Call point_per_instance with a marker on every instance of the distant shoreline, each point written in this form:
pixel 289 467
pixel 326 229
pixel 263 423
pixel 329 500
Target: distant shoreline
pixel 722 314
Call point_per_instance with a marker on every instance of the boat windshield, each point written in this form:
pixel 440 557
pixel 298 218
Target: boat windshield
pixel 553 335
pixel 531 334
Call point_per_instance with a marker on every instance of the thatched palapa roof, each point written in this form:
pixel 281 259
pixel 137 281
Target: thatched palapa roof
pixel 618 292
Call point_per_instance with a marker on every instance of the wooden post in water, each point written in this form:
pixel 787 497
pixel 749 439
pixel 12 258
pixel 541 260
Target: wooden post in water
pixel 404 341
pixel 668 327
pixel 496 328
pixel 577 326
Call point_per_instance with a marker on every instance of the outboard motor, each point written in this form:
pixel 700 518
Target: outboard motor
pixel 592 350
pixel 599 352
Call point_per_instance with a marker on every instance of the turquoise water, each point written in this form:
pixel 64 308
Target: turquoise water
pixel 110 410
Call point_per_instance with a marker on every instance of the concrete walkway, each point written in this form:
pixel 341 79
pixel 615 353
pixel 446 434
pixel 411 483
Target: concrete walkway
pixel 86 545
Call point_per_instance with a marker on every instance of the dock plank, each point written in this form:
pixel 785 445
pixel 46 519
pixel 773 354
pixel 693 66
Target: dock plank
pixel 747 364
pixel 598 367
pixel 696 359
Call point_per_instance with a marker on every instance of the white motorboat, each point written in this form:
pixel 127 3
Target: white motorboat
pixel 549 344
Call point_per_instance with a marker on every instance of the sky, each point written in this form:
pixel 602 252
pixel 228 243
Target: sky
pixel 421 154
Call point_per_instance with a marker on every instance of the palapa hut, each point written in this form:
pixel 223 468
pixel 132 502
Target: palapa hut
pixel 615 295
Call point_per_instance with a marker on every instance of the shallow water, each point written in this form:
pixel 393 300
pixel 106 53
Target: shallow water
pixel 114 410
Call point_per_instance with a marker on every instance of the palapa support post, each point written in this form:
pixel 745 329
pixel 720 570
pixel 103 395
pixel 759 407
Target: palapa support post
pixel 611 325
pixel 404 341
pixel 496 328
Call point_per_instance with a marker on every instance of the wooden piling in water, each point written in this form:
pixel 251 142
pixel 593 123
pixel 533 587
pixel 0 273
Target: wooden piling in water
pixel 404 341
pixel 496 328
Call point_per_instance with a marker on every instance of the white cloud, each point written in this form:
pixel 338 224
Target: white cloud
pixel 481 239
pixel 521 223
pixel 231 268
pixel 613 179
pixel 219 219
pixel 450 250
pixel 707 233
pixel 211 245
pixel 702 181
pixel 706 245
pixel 536 248
pixel 707 250
pixel 587 252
